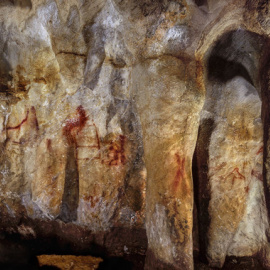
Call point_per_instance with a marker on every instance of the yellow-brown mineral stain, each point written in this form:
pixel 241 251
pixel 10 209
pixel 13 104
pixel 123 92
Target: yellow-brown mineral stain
pixel 68 262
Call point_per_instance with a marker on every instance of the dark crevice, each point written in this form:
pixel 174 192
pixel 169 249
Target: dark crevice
pixel 118 263
pixel 201 2
pixel 265 82
pixel 201 184
pixel 72 53
pixel 235 54
pixel 17 3
pixel 12 88
pixel 54 237
pixel 70 198
pixel 5 77
pixel 223 70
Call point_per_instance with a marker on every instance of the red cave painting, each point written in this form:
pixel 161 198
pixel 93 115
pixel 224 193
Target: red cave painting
pixel 234 175
pixel 30 118
pixel 49 144
pixel 26 118
pixel 116 152
pixel 260 151
pixel 180 173
pixel 111 153
pixel 92 200
pixel 20 124
pixel 257 174
pixel 97 137
pixel 74 125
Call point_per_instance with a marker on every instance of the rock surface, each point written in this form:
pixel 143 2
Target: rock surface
pixel 69 262
pixel 117 115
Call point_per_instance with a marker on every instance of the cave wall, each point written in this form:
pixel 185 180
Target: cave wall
pixel 231 137
pixel 116 116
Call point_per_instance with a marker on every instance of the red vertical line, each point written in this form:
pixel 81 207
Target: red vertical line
pixel 98 140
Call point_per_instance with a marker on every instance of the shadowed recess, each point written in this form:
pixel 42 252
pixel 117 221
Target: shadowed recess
pixel 201 184
pixel 70 198
pixel 265 80
pixel 201 2
pixel 224 70
pixel 17 3
pixel 237 53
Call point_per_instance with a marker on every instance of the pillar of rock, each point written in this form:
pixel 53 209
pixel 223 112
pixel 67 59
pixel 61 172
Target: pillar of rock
pixel 169 111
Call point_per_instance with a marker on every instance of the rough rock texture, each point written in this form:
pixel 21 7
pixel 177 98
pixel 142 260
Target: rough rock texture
pixel 232 140
pixel 69 262
pixel 117 115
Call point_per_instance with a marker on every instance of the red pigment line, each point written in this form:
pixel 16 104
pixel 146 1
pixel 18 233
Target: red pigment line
pixel 82 115
pixel 113 149
pixel 257 174
pixel 98 141
pixel 238 175
pixel 260 151
pixel 49 144
pixel 97 136
pixel 180 171
pixel 96 158
pixel 78 122
pixel 88 146
pixel 117 151
pixel 91 199
pixel 23 121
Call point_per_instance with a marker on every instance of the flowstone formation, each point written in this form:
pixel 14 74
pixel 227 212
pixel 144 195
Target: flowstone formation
pixel 133 128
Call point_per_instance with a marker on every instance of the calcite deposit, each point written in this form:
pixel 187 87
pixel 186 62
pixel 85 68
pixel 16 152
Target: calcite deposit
pixel 137 129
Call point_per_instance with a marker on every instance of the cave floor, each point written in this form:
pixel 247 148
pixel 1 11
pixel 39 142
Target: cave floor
pixel 71 262
pixel 232 263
